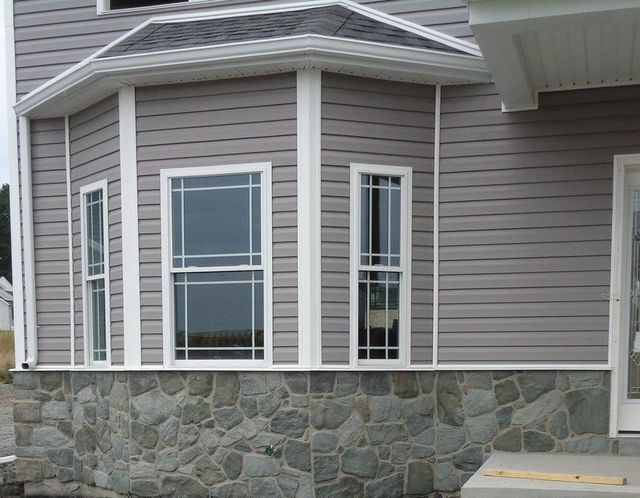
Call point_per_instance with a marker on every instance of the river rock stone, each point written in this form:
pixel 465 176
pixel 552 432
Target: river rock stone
pixel 291 422
pixel 535 383
pixel 375 383
pixel 588 411
pixel 449 399
pixel 419 478
pixel 361 462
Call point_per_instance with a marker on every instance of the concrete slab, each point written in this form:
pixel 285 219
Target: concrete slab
pixel 480 486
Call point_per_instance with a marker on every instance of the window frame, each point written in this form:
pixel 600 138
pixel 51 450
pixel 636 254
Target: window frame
pixel 168 314
pixel 404 269
pixel 103 7
pixel 103 186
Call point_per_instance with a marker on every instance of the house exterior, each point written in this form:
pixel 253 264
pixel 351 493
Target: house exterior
pixel 329 248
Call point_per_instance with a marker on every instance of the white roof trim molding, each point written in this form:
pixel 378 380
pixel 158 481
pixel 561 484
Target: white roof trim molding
pixel 534 46
pixel 98 76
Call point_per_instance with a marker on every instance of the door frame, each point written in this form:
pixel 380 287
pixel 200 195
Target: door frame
pixel 617 313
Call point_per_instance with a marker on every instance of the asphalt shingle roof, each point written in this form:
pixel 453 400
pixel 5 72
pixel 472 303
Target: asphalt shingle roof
pixel 334 21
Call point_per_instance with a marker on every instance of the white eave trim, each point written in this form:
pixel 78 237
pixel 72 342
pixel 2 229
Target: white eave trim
pixel 99 77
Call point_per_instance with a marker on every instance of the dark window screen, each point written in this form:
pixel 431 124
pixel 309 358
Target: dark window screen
pixel 130 4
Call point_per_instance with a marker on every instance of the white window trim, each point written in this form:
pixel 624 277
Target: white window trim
pixel 404 340
pixel 166 243
pixel 101 185
pixel 103 6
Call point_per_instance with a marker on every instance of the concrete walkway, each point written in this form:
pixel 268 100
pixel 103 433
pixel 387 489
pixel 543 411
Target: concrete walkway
pixel 480 486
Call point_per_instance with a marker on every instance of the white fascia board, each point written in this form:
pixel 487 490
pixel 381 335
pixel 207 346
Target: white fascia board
pixel 102 76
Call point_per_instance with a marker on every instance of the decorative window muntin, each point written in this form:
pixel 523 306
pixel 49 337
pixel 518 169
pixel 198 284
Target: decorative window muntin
pixel 218 265
pixel 95 270
pixel 380 262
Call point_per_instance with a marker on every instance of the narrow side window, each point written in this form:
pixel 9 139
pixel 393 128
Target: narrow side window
pixel 380 273
pixel 95 270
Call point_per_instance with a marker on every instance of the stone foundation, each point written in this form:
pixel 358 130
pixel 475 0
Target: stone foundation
pixel 295 434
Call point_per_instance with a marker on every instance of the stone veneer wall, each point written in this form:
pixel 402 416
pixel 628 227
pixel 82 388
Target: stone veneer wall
pixel 373 434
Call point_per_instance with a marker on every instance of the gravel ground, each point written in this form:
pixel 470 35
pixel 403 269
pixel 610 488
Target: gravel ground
pixel 7 438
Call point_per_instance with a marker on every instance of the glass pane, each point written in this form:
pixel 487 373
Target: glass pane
pixel 633 384
pixel 97 319
pixel 255 221
pixel 364 225
pixel 379 225
pixel 94 233
pixel 223 314
pixel 394 223
pixel 216 220
pixel 378 315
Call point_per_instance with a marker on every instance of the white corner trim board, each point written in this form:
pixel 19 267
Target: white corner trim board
pixel 309 217
pixel 27 239
pixel 130 243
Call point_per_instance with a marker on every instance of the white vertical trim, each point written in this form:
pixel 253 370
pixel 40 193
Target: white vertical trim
pixel 130 242
pixel 405 268
pixel 309 218
pixel 72 296
pixel 102 185
pixel 27 234
pixel 436 222
pixel 14 187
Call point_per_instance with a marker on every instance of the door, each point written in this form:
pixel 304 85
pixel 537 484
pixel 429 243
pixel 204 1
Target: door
pixel 629 337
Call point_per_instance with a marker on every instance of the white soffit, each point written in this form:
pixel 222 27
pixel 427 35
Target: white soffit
pixel 535 46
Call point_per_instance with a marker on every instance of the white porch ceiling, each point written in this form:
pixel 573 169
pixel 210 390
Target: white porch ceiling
pixel 533 46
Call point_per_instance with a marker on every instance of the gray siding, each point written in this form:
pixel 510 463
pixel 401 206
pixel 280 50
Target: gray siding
pixel 52 35
pixel 525 224
pixel 95 155
pixel 51 244
pixel 375 122
pixel 204 124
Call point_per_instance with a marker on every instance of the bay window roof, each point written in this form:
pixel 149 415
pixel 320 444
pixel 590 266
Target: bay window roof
pixel 335 36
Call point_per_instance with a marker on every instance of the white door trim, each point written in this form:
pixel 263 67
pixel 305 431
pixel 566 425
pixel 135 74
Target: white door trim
pixel 617 311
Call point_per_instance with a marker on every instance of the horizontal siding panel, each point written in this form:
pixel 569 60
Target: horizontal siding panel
pixel 224 122
pixel 376 122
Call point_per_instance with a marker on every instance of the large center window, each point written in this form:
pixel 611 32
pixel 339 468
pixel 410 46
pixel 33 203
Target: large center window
pixel 219 224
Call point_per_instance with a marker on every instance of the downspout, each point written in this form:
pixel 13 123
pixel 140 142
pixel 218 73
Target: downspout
pixel 27 234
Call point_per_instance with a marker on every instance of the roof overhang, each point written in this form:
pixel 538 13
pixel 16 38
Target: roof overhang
pixel 533 46
pixel 98 76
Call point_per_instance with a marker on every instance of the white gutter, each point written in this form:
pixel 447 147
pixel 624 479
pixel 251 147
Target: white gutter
pixel 297 52
pixel 14 187
pixel 27 235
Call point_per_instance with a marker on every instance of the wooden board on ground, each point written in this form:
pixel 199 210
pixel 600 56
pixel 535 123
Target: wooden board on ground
pixel 553 476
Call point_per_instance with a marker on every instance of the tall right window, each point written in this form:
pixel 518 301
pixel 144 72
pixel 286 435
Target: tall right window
pixel 380 274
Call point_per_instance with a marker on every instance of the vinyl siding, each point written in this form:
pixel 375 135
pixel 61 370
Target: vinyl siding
pixel 204 124
pixel 95 155
pixel 374 122
pixel 52 35
pixel 525 225
pixel 51 244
